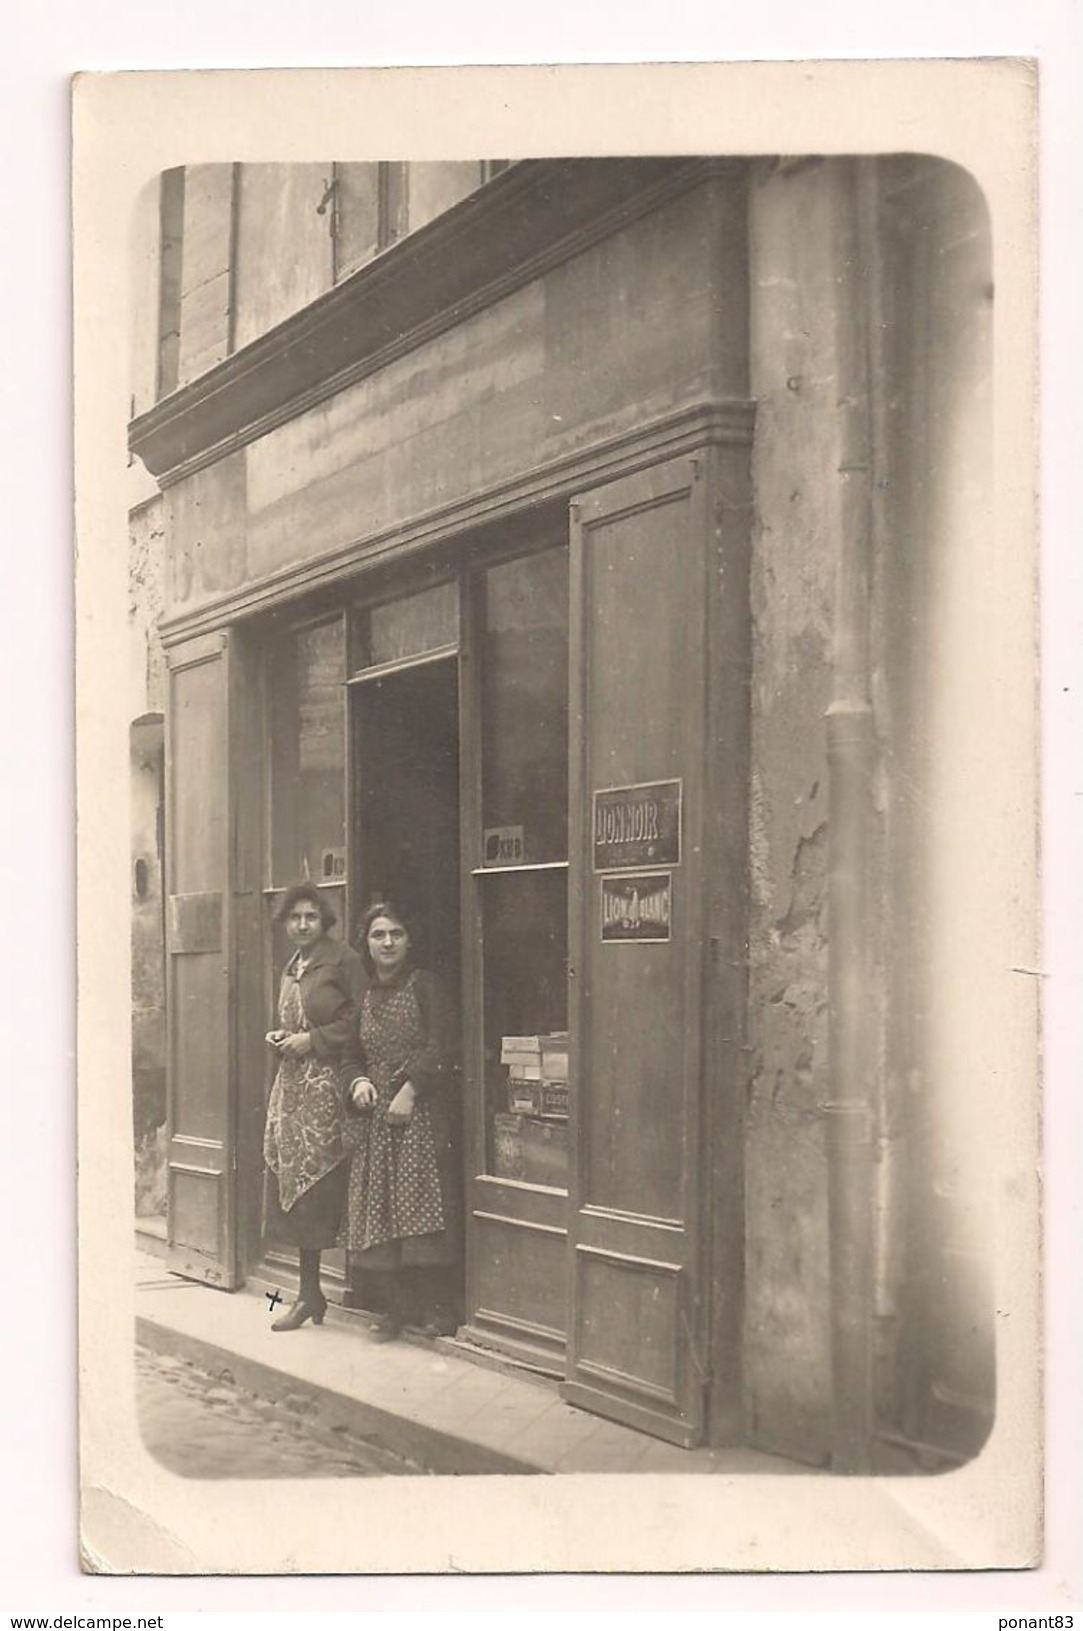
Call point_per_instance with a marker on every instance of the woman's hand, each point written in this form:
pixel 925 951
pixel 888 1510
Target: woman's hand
pixel 297 1046
pixel 362 1094
pixel 401 1108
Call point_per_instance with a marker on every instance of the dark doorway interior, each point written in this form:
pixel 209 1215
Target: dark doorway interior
pixel 405 741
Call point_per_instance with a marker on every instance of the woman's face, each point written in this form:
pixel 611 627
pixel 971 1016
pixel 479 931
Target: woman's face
pixel 388 945
pixel 304 925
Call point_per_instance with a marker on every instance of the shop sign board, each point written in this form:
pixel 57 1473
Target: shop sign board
pixel 637 908
pixel 502 846
pixel 332 865
pixel 637 826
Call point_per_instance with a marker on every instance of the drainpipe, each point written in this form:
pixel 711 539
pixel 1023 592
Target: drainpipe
pixel 849 1115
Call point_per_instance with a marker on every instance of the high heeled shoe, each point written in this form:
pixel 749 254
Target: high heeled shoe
pixel 305 1308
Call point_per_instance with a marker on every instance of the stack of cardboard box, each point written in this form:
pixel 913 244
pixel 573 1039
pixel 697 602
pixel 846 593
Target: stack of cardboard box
pixel 531 1138
pixel 522 1056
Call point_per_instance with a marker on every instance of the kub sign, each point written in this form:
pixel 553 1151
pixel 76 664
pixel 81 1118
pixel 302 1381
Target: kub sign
pixel 503 846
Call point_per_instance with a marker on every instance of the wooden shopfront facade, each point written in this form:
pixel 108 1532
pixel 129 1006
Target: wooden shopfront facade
pixel 459 608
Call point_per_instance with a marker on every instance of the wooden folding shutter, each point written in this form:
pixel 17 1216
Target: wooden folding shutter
pixel 201 1159
pixel 640 594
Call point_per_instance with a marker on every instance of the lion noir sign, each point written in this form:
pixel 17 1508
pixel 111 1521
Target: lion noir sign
pixel 637 826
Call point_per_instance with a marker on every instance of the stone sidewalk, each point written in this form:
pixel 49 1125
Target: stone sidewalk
pixel 442 1410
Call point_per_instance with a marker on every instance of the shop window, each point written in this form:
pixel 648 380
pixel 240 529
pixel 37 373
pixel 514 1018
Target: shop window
pixel 375 204
pixel 308 756
pixel 435 187
pixel 281 252
pixel 206 280
pixel 524 752
pixel 525 930
pixel 414 626
pixel 171 207
pixel 523 872
pixel 369 212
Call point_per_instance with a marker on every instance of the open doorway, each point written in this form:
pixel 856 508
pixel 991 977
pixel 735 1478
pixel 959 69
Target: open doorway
pixel 405 831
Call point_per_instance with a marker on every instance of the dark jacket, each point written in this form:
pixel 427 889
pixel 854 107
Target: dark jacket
pixel 331 989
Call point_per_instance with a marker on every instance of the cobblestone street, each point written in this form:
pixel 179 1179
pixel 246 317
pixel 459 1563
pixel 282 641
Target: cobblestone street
pixel 203 1427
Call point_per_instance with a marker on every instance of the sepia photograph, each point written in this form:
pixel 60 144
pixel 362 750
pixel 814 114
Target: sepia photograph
pixel 581 823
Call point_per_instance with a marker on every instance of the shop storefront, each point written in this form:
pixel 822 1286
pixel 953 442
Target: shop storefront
pixel 513 745
pixel 462 609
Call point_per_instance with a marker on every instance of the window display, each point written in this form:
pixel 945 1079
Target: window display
pixel 523 871
pixel 524 724
pixel 308 756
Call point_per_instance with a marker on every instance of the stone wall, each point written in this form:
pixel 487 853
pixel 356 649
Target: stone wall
pixel 924 277
pixel 646 322
pixel 146 570
pixel 793 365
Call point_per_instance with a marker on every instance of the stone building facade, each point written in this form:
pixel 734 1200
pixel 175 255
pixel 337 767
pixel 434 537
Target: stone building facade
pixel 510 485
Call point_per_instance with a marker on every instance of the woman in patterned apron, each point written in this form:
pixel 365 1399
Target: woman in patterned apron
pixel 307 1159
pixel 401 1071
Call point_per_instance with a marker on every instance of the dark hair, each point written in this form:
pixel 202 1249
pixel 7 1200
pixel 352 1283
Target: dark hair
pixel 298 892
pixel 380 908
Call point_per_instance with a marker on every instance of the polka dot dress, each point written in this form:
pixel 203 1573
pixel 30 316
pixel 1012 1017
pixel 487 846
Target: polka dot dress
pixel 394 1190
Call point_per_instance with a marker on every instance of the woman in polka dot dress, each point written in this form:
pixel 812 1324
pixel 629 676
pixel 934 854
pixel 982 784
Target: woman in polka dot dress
pixel 400 1071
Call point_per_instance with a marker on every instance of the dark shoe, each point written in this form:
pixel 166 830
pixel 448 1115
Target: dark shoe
pixel 440 1321
pixel 387 1326
pixel 300 1311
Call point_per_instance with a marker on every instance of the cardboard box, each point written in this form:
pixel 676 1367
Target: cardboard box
pixel 554 1100
pixel 554 1062
pixel 520 1050
pixel 524 1098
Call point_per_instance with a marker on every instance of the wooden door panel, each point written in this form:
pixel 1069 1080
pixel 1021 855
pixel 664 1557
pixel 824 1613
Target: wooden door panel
pixel 201 1201
pixel 199 1044
pixel 640 599
pixel 520 1278
pixel 194 922
pixel 640 1299
pixel 631 1069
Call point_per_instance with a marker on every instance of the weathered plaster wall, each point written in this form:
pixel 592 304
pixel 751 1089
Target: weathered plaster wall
pixel 641 324
pixel 282 245
pixel 146 570
pixel 206 276
pixel 927 282
pixel 146 597
pixel 144 271
pixel 793 369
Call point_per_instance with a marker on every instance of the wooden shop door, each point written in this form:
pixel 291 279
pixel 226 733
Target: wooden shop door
pixel 201 1203
pixel 638 922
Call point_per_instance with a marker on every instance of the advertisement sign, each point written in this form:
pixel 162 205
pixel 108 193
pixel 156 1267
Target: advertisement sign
pixel 637 826
pixel 502 846
pixel 637 909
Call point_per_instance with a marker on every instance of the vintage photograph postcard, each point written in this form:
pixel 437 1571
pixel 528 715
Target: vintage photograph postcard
pixel 558 756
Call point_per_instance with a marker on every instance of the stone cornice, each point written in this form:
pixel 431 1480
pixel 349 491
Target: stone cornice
pixel 529 218
pixel 718 422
